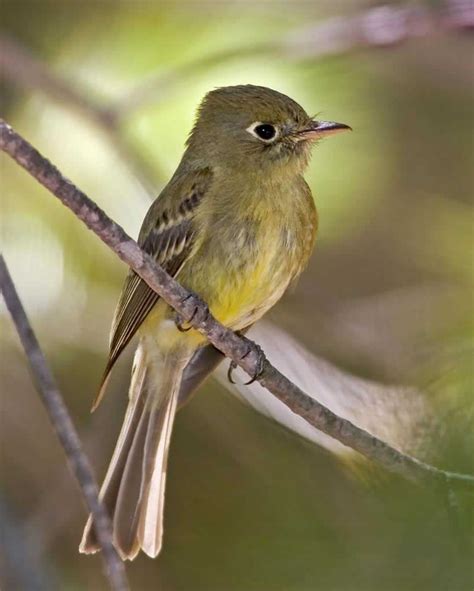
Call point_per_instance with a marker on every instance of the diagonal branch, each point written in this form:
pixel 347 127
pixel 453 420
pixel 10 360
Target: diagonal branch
pixel 64 429
pixel 232 345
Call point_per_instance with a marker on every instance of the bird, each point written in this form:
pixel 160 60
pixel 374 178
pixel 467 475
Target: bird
pixel 236 225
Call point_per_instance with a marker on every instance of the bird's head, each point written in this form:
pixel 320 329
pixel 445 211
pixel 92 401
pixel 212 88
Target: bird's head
pixel 252 126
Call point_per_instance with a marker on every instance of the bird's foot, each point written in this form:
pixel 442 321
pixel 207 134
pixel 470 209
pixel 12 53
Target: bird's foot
pixel 260 367
pixel 198 311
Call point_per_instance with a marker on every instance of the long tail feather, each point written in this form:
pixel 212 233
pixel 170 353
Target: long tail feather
pixel 133 489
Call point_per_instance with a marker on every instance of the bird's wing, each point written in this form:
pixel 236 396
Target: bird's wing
pixel 167 234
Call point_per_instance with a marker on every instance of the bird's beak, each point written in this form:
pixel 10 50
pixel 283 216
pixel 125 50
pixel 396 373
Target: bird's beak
pixel 319 129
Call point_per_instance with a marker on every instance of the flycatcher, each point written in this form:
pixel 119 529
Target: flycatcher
pixel 236 225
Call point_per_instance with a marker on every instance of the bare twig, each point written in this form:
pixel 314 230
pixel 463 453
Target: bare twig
pixel 232 345
pixel 64 429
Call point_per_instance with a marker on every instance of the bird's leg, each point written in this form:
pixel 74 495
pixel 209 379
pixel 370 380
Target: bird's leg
pixel 199 314
pixel 252 347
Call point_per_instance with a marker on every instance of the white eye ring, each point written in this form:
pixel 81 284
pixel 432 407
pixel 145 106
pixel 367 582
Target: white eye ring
pixel 252 129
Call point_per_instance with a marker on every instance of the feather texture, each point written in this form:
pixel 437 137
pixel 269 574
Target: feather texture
pixel 134 487
pixel 237 223
pixel 168 235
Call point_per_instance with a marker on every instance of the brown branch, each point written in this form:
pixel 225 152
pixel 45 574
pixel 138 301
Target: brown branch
pixel 64 429
pixel 232 345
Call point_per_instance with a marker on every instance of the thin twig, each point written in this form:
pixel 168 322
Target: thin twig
pixel 64 429
pixel 232 345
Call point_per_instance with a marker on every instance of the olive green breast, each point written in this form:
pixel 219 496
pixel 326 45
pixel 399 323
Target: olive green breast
pixel 254 238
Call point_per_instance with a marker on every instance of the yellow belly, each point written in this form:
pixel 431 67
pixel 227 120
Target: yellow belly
pixel 241 280
pixel 238 293
pixel 242 299
pixel 241 268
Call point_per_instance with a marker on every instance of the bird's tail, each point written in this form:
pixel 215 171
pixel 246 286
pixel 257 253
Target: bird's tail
pixel 134 486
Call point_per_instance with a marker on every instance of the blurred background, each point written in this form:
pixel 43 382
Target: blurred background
pixel 107 91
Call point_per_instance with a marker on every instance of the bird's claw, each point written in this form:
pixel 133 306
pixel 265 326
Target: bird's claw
pixel 261 359
pixel 199 313
pixel 232 366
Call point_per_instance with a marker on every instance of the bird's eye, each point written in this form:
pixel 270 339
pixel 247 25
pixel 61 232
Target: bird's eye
pixel 264 131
